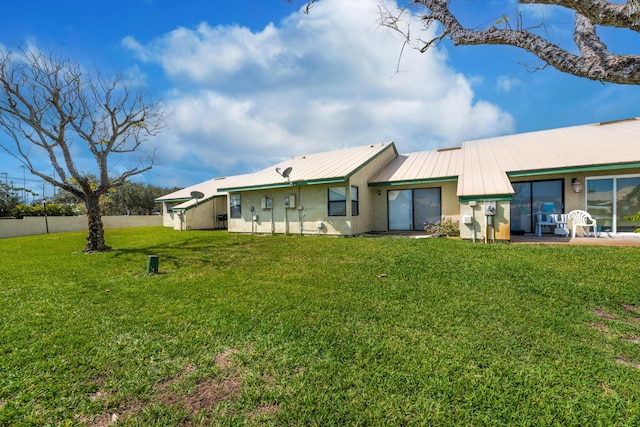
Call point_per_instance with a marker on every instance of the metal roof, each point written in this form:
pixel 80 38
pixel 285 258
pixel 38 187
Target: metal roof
pixel 209 188
pixel 489 162
pixel 482 167
pixel 330 166
pixel 423 166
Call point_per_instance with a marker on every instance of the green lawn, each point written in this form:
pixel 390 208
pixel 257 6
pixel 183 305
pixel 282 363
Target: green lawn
pixel 273 330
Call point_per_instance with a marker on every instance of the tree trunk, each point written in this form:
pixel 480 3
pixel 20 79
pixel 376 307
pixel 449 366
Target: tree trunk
pixel 95 238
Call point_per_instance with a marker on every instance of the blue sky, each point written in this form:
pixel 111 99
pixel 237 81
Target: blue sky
pixel 247 83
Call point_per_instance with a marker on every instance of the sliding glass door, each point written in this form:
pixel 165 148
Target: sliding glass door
pixel 532 197
pixel 413 209
pixel 610 199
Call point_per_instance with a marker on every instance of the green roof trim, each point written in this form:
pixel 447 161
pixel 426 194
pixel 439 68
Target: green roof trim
pixel 180 199
pixel 356 170
pixel 285 185
pixel 576 169
pixel 413 182
pixel 496 197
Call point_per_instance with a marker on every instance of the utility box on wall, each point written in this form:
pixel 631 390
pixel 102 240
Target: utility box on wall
pixel 290 201
pixel 266 202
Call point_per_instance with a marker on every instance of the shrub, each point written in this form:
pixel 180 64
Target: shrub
pixel 53 209
pixel 444 228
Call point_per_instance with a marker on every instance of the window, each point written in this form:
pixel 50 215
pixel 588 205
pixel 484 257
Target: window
pixel 611 199
pixel 337 201
pixel 234 204
pixel 354 202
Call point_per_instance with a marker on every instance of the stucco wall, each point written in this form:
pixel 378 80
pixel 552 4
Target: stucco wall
pixel 448 199
pixel 59 224
pixel 311 207
pixel 479 229
pixel 201 217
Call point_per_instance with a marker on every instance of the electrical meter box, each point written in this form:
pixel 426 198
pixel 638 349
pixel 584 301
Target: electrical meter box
pixel 290 201
pixel 266 203
pixel 490 208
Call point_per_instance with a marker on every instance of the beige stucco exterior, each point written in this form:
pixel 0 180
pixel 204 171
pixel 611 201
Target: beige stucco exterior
pixel 203 216
pixel 310 213
pixel 469 176
pixel 477 226
pixel 449 201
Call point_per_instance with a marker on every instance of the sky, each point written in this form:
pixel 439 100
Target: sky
pixel 246 84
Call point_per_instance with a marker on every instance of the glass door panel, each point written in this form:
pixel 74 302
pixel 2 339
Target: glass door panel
pixel 534 197
pixel 426 207
pixel 521 207
pixel 600 202
pixel 400 204
pixel 546 196
pixel 627 203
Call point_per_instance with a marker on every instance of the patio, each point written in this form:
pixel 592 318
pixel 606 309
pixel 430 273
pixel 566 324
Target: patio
pixel 603 239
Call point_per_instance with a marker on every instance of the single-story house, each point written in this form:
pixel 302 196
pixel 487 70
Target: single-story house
pixel 493 186
pixel 199 207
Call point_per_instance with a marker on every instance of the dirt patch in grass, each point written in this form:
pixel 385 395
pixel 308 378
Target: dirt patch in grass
pixel 634 321
pixel 631 308
pixel 263 411
pixel 205 396
pixel 610 333
pixel 604 315
pixel 628 363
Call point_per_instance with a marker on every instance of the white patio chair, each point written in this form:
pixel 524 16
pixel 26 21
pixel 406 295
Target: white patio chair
pixel 582 219
pixel 561 224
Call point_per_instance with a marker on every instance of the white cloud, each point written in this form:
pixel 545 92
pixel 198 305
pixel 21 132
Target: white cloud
pixel 504 84
pixel 244 100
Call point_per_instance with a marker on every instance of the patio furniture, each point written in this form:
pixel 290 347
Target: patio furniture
pixel 582 219
pixel 544 220
pixel 561 221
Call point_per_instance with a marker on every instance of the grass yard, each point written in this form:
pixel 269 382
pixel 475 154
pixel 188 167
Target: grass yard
pixel 273 330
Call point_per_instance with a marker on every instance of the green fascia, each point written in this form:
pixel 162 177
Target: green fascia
pixel 491 197
pixel 286 185
pixel 577 169
pixel 413 182
pixel 356 170
pixel 182 199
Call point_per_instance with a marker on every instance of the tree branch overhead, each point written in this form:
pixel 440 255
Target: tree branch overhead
pixel 594 61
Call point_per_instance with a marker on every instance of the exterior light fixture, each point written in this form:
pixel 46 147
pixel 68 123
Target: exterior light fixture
pixel 576 185
pixel 379 192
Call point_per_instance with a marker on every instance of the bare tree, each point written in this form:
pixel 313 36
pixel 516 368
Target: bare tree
pixel 50 106
pixel 594 60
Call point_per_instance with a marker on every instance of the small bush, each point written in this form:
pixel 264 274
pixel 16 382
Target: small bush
pixel 444 228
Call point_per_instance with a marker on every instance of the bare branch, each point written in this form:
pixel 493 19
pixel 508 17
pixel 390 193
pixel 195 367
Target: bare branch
pixel 49 106
pixel 600 12
pixel 595 61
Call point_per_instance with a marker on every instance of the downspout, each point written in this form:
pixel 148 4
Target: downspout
pixel 286 221
pixel 299 208
pixel 473 215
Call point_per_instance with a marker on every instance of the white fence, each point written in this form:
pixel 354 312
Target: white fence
pixel 60 224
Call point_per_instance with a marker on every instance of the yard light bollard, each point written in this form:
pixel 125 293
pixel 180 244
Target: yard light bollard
pixel 152 264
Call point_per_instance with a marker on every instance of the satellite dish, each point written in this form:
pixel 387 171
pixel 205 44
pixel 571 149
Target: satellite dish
pixel 287 172
pixel 197 195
